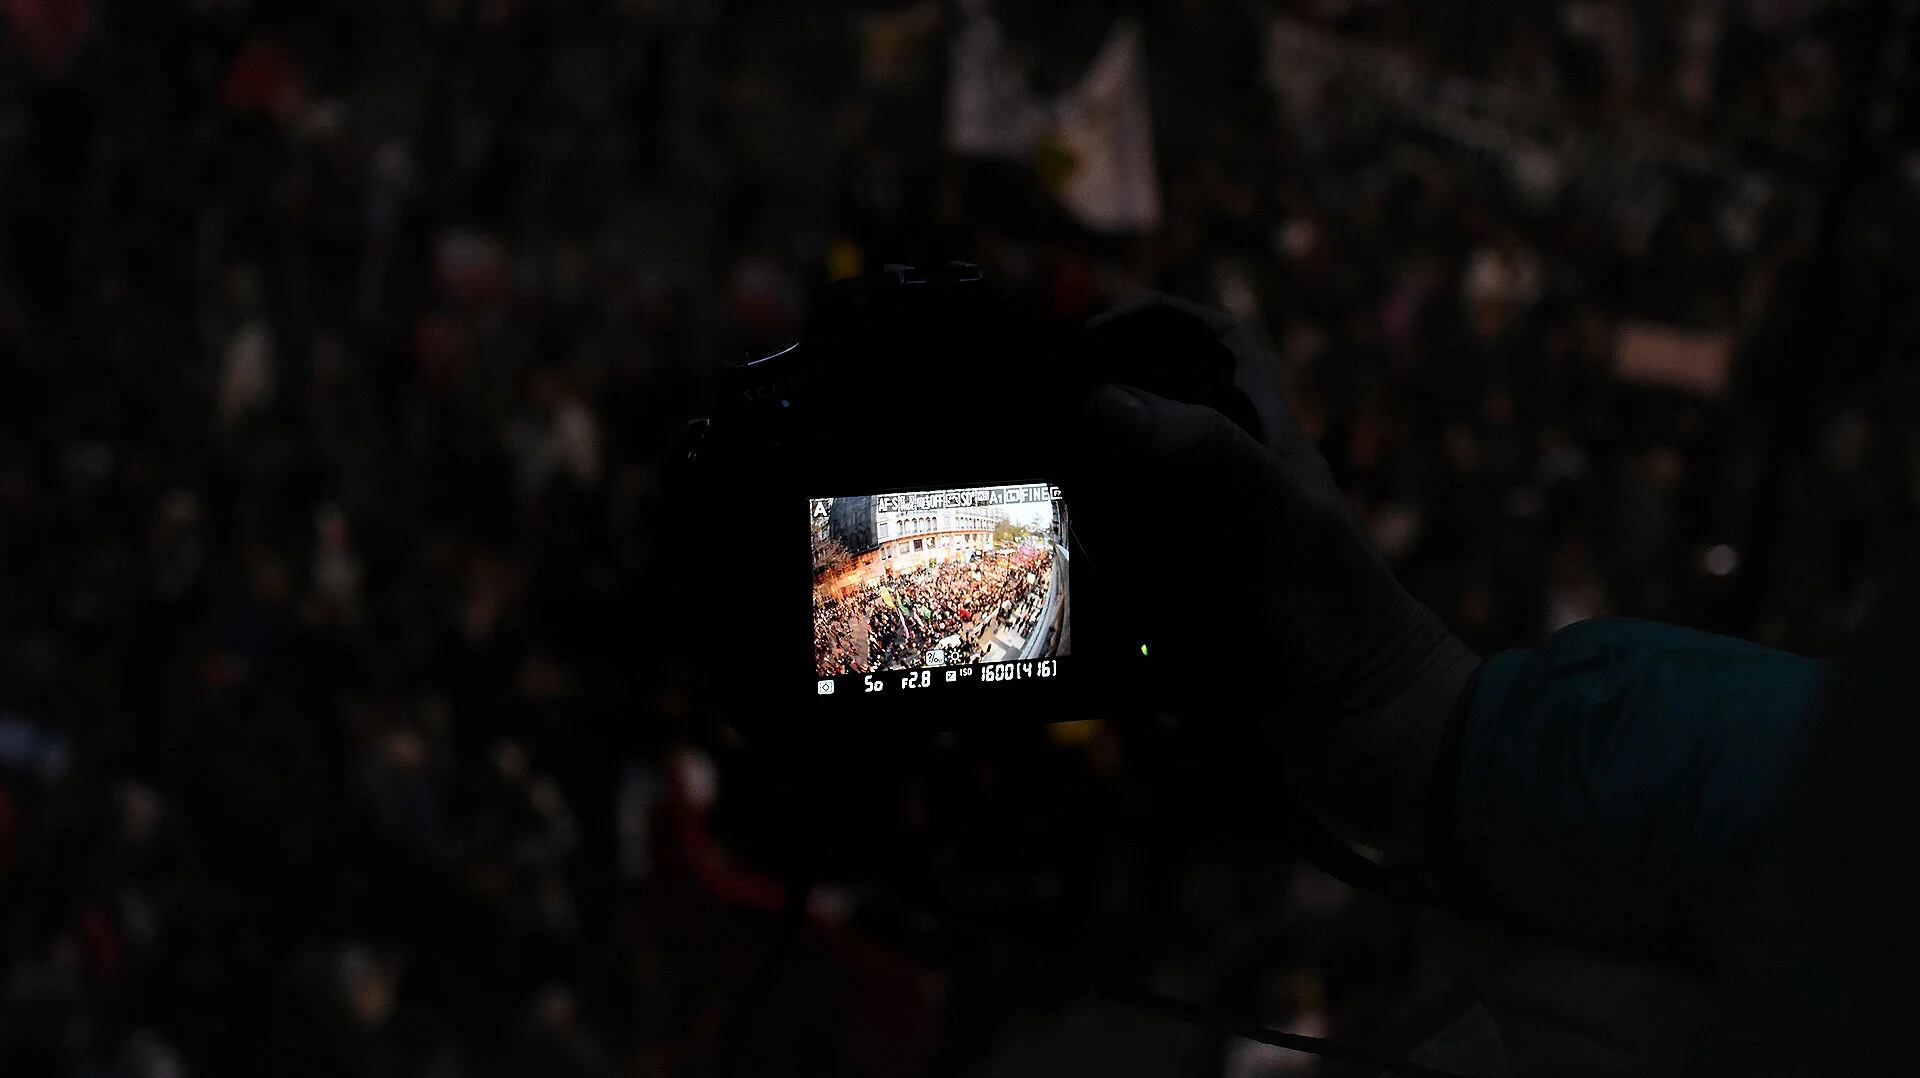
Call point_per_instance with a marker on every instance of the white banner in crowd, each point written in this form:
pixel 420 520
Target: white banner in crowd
pixel 1688 360
pixel 1106 127
pixel 991 111
pixel 1100 130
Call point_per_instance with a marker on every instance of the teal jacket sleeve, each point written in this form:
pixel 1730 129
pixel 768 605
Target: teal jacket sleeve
pixel 1616 785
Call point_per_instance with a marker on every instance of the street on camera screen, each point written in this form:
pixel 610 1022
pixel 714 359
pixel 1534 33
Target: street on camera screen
pixel 939 589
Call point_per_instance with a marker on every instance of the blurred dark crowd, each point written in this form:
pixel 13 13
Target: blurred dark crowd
pixel 345 725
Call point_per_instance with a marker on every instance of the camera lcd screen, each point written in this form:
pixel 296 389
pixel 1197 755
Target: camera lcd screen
pixel 936 591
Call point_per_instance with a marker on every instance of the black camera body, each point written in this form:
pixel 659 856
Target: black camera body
pixel 923 405
pixel 883 534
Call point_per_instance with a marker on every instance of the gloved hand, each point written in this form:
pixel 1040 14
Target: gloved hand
pixel 1261 598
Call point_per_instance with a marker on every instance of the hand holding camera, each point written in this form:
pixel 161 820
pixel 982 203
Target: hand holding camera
pixel 1261 595
pixel 977 552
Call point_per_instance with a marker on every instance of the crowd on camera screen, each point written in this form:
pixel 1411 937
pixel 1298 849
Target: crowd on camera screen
pixel 953 608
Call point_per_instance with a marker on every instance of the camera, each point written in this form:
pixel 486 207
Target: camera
pixel 885 510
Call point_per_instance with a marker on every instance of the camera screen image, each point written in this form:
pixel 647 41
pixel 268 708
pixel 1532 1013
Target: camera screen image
pixel 963 586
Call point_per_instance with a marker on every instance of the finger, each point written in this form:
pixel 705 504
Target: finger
pixel 1118 421
pixel 1175 445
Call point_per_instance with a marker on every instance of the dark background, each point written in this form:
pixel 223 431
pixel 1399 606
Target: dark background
pixel 345 725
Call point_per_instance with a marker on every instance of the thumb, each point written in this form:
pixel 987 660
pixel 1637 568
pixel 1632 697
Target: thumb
pixel 1171 444
pixel 1141 450
pixel 1117 420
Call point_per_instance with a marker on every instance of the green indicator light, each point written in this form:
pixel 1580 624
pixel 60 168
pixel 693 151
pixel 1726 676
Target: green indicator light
pixel 1143 649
